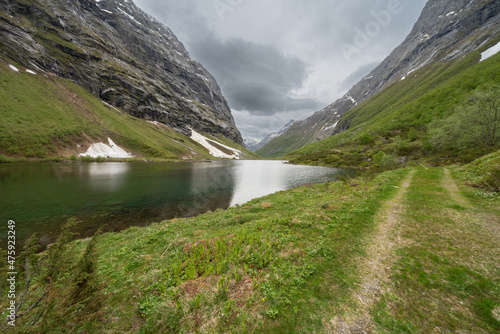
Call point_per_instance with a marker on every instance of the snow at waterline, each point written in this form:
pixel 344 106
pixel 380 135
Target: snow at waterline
pixel 106 151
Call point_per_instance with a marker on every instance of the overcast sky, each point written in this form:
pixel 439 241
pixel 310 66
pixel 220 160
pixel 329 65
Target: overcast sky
pixel 277 60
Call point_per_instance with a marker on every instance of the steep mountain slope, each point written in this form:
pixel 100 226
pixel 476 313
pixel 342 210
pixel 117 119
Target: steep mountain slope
pixel 46 116
pixel 438 114
pixel 447 30
pixel 250 143
pixel 119 54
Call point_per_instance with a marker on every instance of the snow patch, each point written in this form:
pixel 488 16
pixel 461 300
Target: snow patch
pixel 201 76
pixel 107 11
pixel 128 15
pixel 424 38
pixel 107 151
pixel 404 77
pixel 451 13
pixel 331 126
pixel 31 72
pixel 214 151
pixel 352 99
pixel 490 52
pixel 13 68
pixel 111 106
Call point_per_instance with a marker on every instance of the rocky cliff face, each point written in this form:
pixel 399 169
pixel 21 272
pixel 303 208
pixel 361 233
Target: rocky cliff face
pixel 119 53
pixel 446 30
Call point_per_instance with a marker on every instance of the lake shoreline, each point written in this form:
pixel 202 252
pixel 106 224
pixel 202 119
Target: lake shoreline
pixel 123 194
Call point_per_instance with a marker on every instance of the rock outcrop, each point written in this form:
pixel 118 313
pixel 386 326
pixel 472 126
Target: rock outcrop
pixel 120 54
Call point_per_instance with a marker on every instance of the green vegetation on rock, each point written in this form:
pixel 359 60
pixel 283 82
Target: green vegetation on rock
pixel 484 173
pixel 44 116
pixel 440 113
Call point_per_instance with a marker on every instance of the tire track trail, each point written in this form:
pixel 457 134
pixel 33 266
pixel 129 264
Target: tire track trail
pixel 455 194
pixel 489 223
pixel 375 266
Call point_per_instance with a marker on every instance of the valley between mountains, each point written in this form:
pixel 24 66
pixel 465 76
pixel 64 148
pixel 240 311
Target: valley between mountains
pixel 402 235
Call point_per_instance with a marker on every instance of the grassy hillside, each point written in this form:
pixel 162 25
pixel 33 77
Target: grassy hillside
pixel 44 116
pixel 362 255
pixel 483 173
pixel 291 140
pixel 413 118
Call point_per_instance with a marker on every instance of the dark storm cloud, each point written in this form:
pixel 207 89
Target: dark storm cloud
pixel 281 59
pixel 254 77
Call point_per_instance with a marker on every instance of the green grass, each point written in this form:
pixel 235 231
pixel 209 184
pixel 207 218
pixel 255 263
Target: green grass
pixel 401 119
pixel 288 262
pixel 291 140
pixel 272 266
pixel 446 278
pixel 44 116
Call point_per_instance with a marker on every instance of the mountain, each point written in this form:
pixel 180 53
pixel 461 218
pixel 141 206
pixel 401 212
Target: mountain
pixel 121 55
pixel 255 147
pixel 447 30
pixel 46 116
pixel 249 143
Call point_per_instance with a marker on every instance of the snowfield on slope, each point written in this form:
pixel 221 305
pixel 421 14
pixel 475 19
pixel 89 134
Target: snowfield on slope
pixel 490 52
pixel 214 151
pixel 106 151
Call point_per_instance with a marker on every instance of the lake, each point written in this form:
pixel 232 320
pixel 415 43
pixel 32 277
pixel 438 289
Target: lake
pixel 41 197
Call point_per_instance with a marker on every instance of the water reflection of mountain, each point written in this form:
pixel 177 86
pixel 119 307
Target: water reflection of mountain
pixel 212 187
pixel 43 196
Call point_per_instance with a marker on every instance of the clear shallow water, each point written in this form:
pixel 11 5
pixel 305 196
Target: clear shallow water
pixel 41 197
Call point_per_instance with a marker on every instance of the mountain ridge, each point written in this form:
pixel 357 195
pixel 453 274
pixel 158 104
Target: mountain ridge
pixel 446 30
pixel 121 55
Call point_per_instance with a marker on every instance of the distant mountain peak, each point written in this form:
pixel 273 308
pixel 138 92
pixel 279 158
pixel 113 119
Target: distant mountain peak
pixel 258 144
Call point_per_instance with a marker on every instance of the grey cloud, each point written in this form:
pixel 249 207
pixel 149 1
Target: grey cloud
pixel 359 74
pixel 258 127
pixel 264 54
pixel 254 77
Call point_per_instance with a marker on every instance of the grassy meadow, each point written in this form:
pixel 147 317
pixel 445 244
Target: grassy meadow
pixel 406 251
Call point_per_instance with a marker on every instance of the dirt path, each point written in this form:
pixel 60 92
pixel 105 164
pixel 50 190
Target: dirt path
pixel 375 267
pixel 451 186
pixel 489 223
